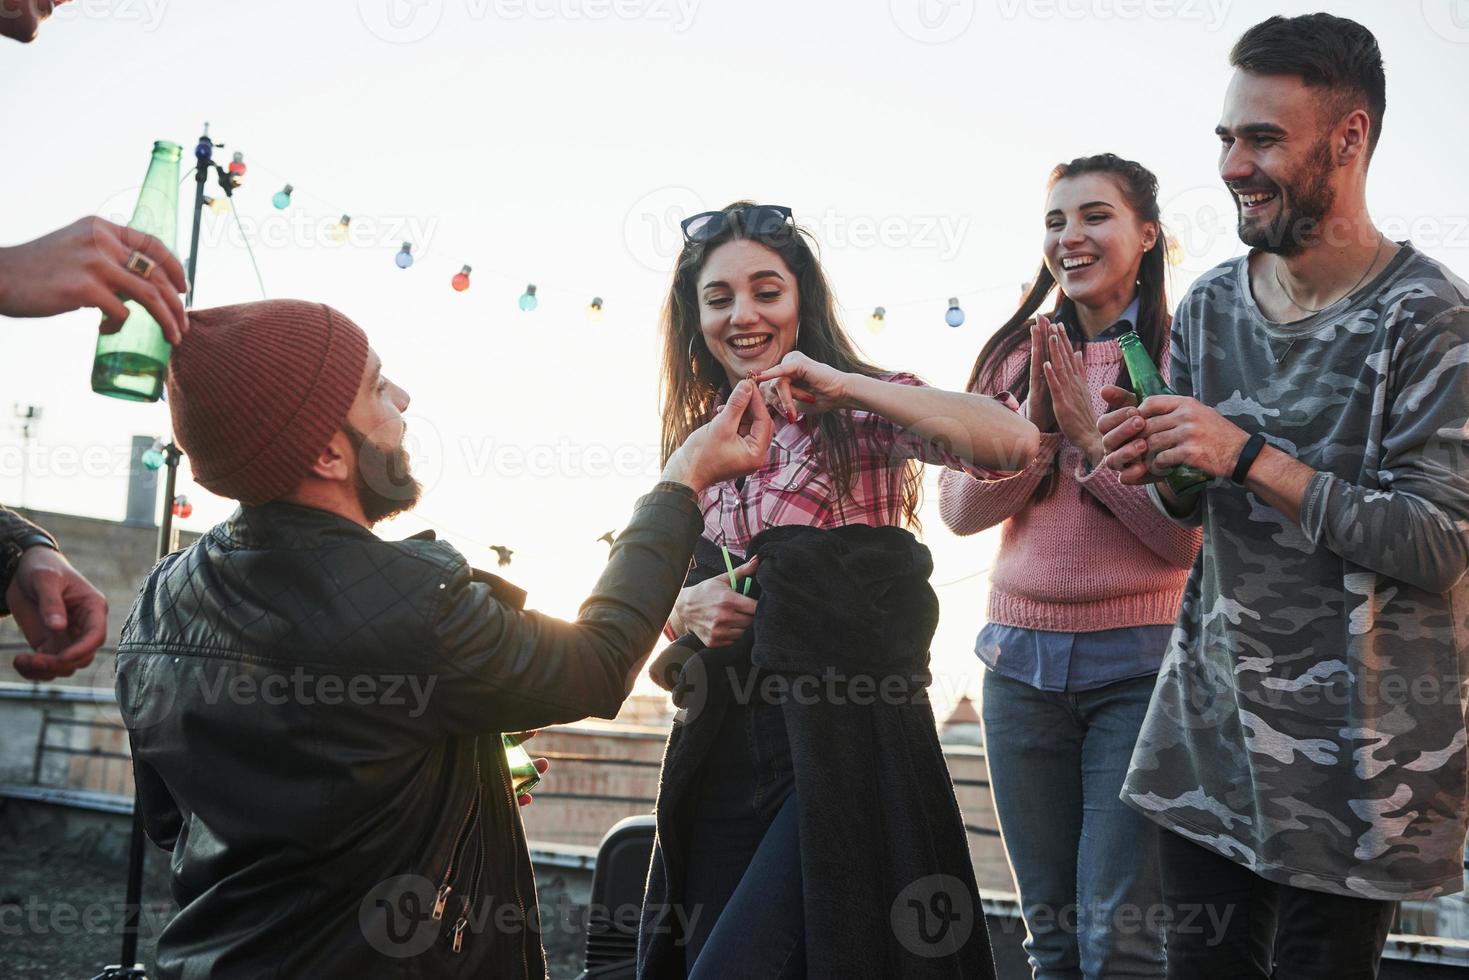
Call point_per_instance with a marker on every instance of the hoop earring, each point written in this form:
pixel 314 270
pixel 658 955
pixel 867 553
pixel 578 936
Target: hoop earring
pixel 693 364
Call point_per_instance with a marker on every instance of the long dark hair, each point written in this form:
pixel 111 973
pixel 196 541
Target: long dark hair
pixel 1140 188
pixel 691 383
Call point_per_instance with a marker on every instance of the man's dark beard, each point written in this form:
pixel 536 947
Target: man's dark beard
pixel 1305 198
pixel 385 487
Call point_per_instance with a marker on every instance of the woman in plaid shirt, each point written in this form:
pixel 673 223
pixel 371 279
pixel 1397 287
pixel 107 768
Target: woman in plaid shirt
pixel 750 299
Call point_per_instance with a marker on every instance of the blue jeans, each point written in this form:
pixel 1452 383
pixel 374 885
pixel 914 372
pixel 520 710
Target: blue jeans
pixel 744 861
pixel 1086 865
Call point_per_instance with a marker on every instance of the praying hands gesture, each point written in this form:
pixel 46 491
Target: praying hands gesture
pixel 1038 401
pixel 1071 399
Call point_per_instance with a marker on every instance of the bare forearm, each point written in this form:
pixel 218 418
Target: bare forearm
pixel 1280 480
pixel 1276 477
pixel 976 428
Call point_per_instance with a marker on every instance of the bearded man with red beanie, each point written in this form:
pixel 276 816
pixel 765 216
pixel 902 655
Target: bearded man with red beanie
pixel 315 712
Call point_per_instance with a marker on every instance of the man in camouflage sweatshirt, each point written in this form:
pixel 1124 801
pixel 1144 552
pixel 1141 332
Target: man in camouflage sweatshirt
pixel 1306 740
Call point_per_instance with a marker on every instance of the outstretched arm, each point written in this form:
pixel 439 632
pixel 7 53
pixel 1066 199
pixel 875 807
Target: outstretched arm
pixel 976 428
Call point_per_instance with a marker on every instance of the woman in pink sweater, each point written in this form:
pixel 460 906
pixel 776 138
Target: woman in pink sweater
pixel 1086 587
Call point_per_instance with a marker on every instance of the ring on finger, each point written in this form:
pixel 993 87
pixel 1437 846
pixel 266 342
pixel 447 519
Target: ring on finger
pixel 139 264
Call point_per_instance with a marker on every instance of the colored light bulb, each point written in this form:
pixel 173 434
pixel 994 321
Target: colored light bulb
pixel 219 205
pixel 875 323
pixel 955 316
pixel 339 230
pixel 153 457
pixel 182 507
pixel 405 256
pixel 282 198
pixel 594 310
pixel 528 301
pixel 460 282
pixel 205 150
pixel 237 166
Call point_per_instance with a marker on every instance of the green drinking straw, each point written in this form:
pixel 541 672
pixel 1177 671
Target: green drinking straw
pixel 729 566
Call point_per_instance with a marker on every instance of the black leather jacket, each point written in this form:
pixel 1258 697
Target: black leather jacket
pixel 315 717
pixel 16 535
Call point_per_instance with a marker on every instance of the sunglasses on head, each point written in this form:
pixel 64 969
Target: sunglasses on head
pixel 762 220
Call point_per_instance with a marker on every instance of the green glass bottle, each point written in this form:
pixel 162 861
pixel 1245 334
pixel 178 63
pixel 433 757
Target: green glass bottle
pixel 1147 381
pixel 523 773
pixel 130 364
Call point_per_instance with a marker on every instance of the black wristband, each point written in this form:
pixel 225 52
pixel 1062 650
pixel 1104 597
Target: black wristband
pixel 1247 456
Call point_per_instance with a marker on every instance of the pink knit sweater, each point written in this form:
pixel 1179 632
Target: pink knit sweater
pixel 1065 564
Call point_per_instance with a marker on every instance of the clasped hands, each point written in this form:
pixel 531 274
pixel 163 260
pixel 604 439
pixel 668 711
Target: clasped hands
pixel 1141 442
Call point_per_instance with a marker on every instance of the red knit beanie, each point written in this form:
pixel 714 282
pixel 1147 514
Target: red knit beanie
pixel 257 390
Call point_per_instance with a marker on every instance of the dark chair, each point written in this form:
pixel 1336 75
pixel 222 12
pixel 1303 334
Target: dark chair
pixel 617 899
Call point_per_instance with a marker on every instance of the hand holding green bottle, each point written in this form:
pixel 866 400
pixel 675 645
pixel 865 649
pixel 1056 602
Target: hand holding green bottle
pixel 1183 480
pixel 525 772
pixel 131 362
pixel 85 264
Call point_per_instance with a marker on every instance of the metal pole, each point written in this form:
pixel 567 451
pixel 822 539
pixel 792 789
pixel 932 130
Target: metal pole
pixel 127 967
pixel 201 177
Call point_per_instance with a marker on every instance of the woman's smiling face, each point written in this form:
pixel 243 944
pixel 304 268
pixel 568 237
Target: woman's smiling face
pixel 1094 240
pixel 749 308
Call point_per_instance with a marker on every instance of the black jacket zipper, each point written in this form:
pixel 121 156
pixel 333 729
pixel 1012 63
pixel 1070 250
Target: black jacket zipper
pixel 461 840
pixel 468 899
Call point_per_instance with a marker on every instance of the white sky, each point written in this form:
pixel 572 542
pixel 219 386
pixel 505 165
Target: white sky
pixel 559 142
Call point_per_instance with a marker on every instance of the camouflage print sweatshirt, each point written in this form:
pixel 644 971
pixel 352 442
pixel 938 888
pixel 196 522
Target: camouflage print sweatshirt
pixel 1309 718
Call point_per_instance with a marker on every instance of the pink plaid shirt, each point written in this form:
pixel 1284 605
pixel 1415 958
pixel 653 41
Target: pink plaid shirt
pixel 793 487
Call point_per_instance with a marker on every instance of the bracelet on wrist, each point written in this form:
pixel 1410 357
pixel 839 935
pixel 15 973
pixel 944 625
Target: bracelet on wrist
pixel 1247 456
